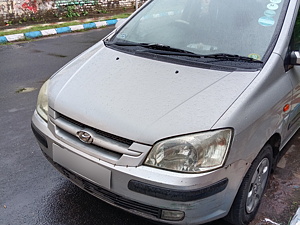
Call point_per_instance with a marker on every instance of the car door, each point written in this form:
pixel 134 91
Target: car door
pixel 294 73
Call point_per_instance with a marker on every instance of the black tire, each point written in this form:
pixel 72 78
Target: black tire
pixel 248 198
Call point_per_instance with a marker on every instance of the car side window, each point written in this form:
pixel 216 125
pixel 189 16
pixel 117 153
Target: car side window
pixel 295 41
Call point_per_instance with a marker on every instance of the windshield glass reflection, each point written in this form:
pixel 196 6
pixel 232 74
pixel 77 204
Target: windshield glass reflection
pixel 206 27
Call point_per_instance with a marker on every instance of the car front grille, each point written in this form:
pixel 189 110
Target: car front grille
pixel 105 146
pixel 100 132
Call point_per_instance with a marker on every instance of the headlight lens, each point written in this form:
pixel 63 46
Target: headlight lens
pixel 42 102
pixel 191 153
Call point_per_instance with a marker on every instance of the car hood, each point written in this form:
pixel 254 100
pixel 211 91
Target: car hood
pixel 142 99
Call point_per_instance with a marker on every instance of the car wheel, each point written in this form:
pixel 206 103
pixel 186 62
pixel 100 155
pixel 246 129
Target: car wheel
pixel 249 196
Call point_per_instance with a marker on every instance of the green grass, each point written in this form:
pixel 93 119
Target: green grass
pixel 65 24
pixel 120 16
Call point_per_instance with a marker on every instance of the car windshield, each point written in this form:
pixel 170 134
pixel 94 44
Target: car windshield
pixel 205 27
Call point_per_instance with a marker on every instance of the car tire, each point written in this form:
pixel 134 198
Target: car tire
pixel 250 193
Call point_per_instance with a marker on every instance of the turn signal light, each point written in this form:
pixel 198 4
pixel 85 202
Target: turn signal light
pixel 286 108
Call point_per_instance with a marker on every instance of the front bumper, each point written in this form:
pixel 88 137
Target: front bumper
pixel 142 190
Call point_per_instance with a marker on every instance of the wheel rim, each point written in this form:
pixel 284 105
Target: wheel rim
pixel 257 185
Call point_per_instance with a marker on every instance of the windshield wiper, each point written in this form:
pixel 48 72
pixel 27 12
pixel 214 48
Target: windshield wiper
pixel 231 57
pixel 168 50
pixel 215 57
pixel 165 49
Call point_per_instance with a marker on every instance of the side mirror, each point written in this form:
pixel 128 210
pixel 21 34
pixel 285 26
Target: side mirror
pixel 120 22
pixel 295 58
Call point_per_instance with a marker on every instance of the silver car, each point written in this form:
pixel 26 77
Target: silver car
pixel 180 113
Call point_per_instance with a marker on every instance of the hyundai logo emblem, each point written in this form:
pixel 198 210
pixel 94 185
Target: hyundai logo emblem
pixel 85 136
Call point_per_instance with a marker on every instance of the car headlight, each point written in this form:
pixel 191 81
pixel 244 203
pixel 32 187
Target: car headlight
pixel 191 153
pixel 42 102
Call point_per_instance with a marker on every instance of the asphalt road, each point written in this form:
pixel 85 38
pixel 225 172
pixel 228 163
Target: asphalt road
pixel 31 190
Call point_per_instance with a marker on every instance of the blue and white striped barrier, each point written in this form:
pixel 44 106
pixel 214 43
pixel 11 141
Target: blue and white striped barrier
pixel 61 30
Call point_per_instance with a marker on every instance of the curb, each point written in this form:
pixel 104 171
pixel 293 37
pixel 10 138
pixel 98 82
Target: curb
pixel 61 30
